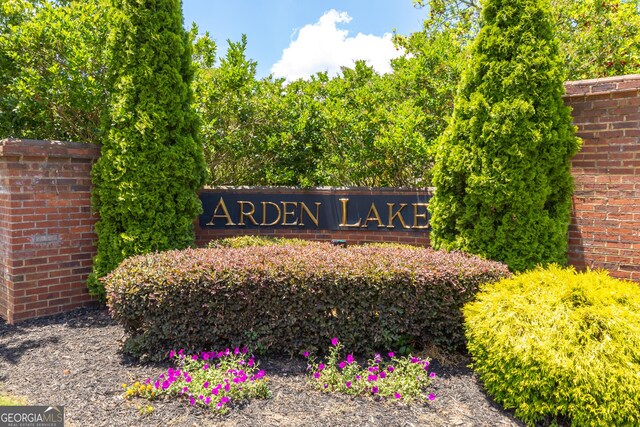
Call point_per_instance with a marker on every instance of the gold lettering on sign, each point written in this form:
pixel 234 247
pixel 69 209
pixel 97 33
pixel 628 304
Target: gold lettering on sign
pixel 398 215
pixel 343 223
pixel 264 214
pixel 376 217
pixel 304 208
pixel 286 213
pixel 225 213
pixel 423 215
pixel 247 214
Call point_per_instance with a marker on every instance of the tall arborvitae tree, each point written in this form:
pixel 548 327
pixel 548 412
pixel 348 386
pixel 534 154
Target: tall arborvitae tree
pixel 151 164
pixel 502 173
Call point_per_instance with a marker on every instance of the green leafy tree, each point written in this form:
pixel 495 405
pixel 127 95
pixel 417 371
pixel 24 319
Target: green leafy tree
pixel 52 69
pixel 597 38
pixel 502 173
pixel 151 165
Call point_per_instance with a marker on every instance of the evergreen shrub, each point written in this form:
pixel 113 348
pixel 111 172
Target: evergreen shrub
pixel 555 344
pixel 292 298
pixel 151 163
pixel 502 172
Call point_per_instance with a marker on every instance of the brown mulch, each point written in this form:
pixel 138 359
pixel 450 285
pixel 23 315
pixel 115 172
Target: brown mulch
pixel 74 360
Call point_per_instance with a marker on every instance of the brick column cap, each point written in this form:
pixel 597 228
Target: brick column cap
pixel 36 148
pixel 628 83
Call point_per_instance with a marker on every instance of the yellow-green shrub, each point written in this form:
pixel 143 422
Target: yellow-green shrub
pixel 245 241
pixel 554 344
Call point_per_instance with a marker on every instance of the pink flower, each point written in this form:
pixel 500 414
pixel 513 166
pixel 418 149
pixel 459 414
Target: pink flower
pixel 194 357
pixel 251 362
pixel 236 351
pixel 227 387
pixel 391 354
pixel 432 375
pixel 334 341
pixel 316 375
pixel 207 400
pixel 383 374
pixel 206 384
pixel 398 396
pixel 205 367
pixel 348 384
pixel 432 396
pixel 371 378
pixel 320 367
pixel 192 400
pixel 415 360
pixel 350 359
pixel 342 365
pixel 374 389
pixel 306 354
pixel 171 354
pixel 391 368
pixel 244 350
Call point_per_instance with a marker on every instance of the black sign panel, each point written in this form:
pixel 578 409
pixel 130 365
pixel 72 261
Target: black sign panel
pixel 315 211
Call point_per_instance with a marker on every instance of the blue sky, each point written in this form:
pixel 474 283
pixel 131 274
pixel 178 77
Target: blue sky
pixel 296 38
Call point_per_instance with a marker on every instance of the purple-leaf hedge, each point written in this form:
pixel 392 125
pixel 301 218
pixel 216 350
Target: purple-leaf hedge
pixel 290 299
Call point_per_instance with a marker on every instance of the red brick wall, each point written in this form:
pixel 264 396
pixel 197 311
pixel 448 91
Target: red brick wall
pixel 46 227
pixel 605 229
pixel 205 235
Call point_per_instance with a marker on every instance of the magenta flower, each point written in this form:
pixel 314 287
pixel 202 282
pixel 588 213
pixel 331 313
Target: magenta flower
pixel 374 390
pixel 432 396
pixel 216 390
pixel 371 378
pixel 391 368
pixel 194 357
pixel 326 385
pixel 321 367
pixel 373 368
pixel 415 360
pixel 348 384
pixel 358 377
pixel 236 351
pixel 181 351
pixel 426 365
pixel 398 396
pixel 227 387
pixel 207 400
pixel 350 359
pixel 432 375
pixel 244 350
pixel 316 375
pixel 188 379
pixel 157 385
pixel 206 384
pixel 391 354
pixel 383 375
pixel 306 354
pixel 342 365
pixel 205 356
pixel 251 363
pixel 205 367
pixel 334 341
pixel 171 354
pixel 192 400
pixel 165 384
pixel 377 358
pixel 185 389
pixel 201 397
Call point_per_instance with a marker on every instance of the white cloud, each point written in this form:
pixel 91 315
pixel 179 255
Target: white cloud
pixel 324 47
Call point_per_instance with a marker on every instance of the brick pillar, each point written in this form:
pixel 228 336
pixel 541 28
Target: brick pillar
pixel 47 240
pixel 605 228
